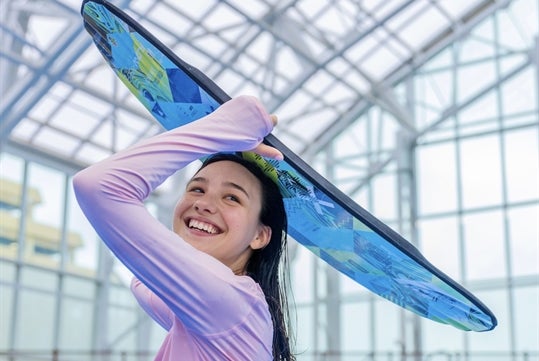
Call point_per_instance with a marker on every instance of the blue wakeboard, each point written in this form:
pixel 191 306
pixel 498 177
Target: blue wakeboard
pixel 320 216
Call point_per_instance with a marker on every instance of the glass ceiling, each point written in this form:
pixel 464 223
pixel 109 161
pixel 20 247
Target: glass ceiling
pixel 315 63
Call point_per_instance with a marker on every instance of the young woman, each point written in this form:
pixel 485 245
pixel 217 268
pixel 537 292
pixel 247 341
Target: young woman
pixel 213 280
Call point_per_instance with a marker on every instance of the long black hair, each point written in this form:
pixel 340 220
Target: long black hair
pixel 268 266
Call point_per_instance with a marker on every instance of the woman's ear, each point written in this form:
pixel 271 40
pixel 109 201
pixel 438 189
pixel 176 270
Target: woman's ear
pixel 262 237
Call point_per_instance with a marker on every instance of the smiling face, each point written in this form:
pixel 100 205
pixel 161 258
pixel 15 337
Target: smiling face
pixel 219 214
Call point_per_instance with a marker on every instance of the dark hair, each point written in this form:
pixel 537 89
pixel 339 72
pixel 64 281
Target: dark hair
pixel 264 264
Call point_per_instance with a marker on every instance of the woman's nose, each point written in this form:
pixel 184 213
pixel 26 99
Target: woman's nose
pixel 205 205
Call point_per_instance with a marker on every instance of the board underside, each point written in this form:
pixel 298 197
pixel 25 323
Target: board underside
pixel 320 217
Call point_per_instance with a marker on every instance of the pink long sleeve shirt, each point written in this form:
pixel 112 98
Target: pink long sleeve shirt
pixel 210 313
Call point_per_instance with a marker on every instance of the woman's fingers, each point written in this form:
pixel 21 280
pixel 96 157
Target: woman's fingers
pixel 268 151
pixel 274 119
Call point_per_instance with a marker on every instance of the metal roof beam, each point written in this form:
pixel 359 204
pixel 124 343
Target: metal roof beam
pixel 325 59
pixel 451 111
pixel 22 95
pixel 469 21
pixel 462 28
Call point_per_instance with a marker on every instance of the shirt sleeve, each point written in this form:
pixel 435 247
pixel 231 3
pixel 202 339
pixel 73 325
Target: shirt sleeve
pixel 198 289
pixel 153 305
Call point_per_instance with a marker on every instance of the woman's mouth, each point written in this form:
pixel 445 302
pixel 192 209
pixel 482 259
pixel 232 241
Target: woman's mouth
pixel 202 226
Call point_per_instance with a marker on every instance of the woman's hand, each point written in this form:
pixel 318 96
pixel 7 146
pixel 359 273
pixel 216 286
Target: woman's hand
pixel 266 150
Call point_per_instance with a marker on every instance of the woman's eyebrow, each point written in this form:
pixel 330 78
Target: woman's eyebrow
pixel 197 179
pixel 226 184
pixel 236 186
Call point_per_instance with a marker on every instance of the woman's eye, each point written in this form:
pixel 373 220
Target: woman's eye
pixel 196 190
pixel 233 198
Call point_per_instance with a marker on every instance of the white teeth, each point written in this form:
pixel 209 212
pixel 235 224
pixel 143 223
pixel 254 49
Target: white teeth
pixel 202 226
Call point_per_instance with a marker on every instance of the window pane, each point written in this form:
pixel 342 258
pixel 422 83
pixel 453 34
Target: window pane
pixel 527 318
pixel 484 245
pixel 321 331
pixel 76 324
pixel 157 334
pixel 79 287
pixel 522 165
pixel 356 327
pixel 524 235
pixel 436 178
pixel 386 326
pixel 11 167
pixel 81 259
pixel 518 93
pixel 38 278
pixel 497 339
pixel 384 187
pixel 438 336
pixel 304 331
pixel 122 334
pixel 6 308
pixel 11 178
pixel 472 79
pixel 481 110
pixel 7 271
pixel 45 216
pixel 121 295
pixel 480 172
pixel 302 275
pixel 35 324
pixel 439 241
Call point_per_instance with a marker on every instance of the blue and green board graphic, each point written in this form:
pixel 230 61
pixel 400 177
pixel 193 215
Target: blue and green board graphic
pixel 320 217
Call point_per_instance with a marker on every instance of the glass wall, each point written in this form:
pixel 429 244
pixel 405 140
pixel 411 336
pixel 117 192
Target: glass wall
pixel 472 169
pixel 59 289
